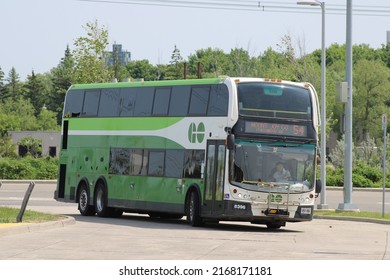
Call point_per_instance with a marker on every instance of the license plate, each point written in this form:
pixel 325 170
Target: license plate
pixel 306 210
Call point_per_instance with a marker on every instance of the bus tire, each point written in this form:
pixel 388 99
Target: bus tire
pixel 100 201
pixel 83 201
pixel 274 225
pixel 193 210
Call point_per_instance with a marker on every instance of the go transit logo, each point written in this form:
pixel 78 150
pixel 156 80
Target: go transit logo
pixel 196 133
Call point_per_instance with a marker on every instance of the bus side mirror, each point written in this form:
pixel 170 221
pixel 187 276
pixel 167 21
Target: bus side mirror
pixel 230 141
pixel 318 186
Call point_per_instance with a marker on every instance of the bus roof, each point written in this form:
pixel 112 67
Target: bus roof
pixel 149 83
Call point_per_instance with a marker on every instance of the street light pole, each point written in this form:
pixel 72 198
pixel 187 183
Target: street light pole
pixel 323 204
pixel 348 205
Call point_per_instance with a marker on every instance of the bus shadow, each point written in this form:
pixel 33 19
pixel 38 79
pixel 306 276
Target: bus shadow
pixel 146 222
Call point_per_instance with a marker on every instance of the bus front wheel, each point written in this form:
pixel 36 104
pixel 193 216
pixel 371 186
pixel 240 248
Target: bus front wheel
pixel 83 202
pixel 193 210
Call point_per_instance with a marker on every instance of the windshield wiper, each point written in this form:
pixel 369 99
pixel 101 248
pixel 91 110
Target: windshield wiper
pixel 265 184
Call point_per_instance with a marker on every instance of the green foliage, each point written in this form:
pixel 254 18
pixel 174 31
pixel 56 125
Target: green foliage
pixel 28 168
pixel 47 121
pixel 90 54
pixel 142 69
pixel 35 91
pixel 334 176
pixel 33 146
pixel 372 173
pixel 14 88
pixel 61 79
pixel 372 94
pixel 7 148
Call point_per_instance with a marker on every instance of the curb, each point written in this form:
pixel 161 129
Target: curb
pixel 32 227
pixel 8 181
pixel 353 219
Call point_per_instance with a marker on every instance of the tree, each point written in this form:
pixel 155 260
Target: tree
pixel 31 145
pixel 177 64
pixel 371 97
pixel 117 68
pixel 142 69
pixel 213 62
pixel 2 86
pixel 18 115
pixel 242 65
pixel 35 91
pixel 14 86
pixel 61 79
pixel 89 56
pixel 47 121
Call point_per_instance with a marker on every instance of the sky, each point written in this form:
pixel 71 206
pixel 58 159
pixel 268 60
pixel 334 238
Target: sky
pixel 35 33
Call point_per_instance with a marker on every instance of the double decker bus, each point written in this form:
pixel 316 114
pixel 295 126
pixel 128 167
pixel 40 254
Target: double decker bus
pixel 207 149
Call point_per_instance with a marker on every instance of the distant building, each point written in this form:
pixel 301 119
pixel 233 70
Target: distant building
pixel 123 56
pixel 51 141
pixel 388 37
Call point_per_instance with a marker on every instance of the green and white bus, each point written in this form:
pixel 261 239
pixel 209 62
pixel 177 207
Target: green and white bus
pixel 205 148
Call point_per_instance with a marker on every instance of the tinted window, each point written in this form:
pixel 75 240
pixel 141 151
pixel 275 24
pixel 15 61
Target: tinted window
pixel 119 161
pixel 180 97
pixel 91 103
pixel 128 96
pixel 110 103
pixel 193 163
pixel 274 100
pixel 73 103
pixel 144 102
pixel 156 163
pixel 161 101
pixel 199 100
pixel 219 99
pixel 174 163
pixel 138 162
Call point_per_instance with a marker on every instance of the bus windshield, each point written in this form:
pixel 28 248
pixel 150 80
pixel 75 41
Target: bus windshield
pixel 273 166
pixel 274 100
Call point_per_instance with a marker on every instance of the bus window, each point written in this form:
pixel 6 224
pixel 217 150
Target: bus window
pixel 219 99
pixel 274 100
pixel 109 102
pixel 138 161
pixel 156 163
pixel 199 100
pixel 119 161
pixel 193 163
pixel 174 163
pixel 73 103
pixel 180 98
pixel 91 103
pixel 161 101
pixel 128 96
pixel 144 102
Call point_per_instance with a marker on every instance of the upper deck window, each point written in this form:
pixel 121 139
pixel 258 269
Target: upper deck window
pixel 274 100
pixel 73 103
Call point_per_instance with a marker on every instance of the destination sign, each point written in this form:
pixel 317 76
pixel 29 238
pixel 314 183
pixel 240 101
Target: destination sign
pixel 276 129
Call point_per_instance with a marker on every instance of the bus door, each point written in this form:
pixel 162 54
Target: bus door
pixel 215 172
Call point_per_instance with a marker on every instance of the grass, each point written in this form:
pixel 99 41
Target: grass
pixel 9 215
pixel 370 215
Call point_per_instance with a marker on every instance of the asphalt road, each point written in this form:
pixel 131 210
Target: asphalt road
pixel 138 237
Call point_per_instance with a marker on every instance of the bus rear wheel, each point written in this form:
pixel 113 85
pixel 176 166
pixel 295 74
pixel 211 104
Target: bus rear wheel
pixel 101 201
pixel 83 202
pixel 101 198
pixel 193 210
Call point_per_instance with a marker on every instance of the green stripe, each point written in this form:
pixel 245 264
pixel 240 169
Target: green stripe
pixel 149 83
pixel 133 123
